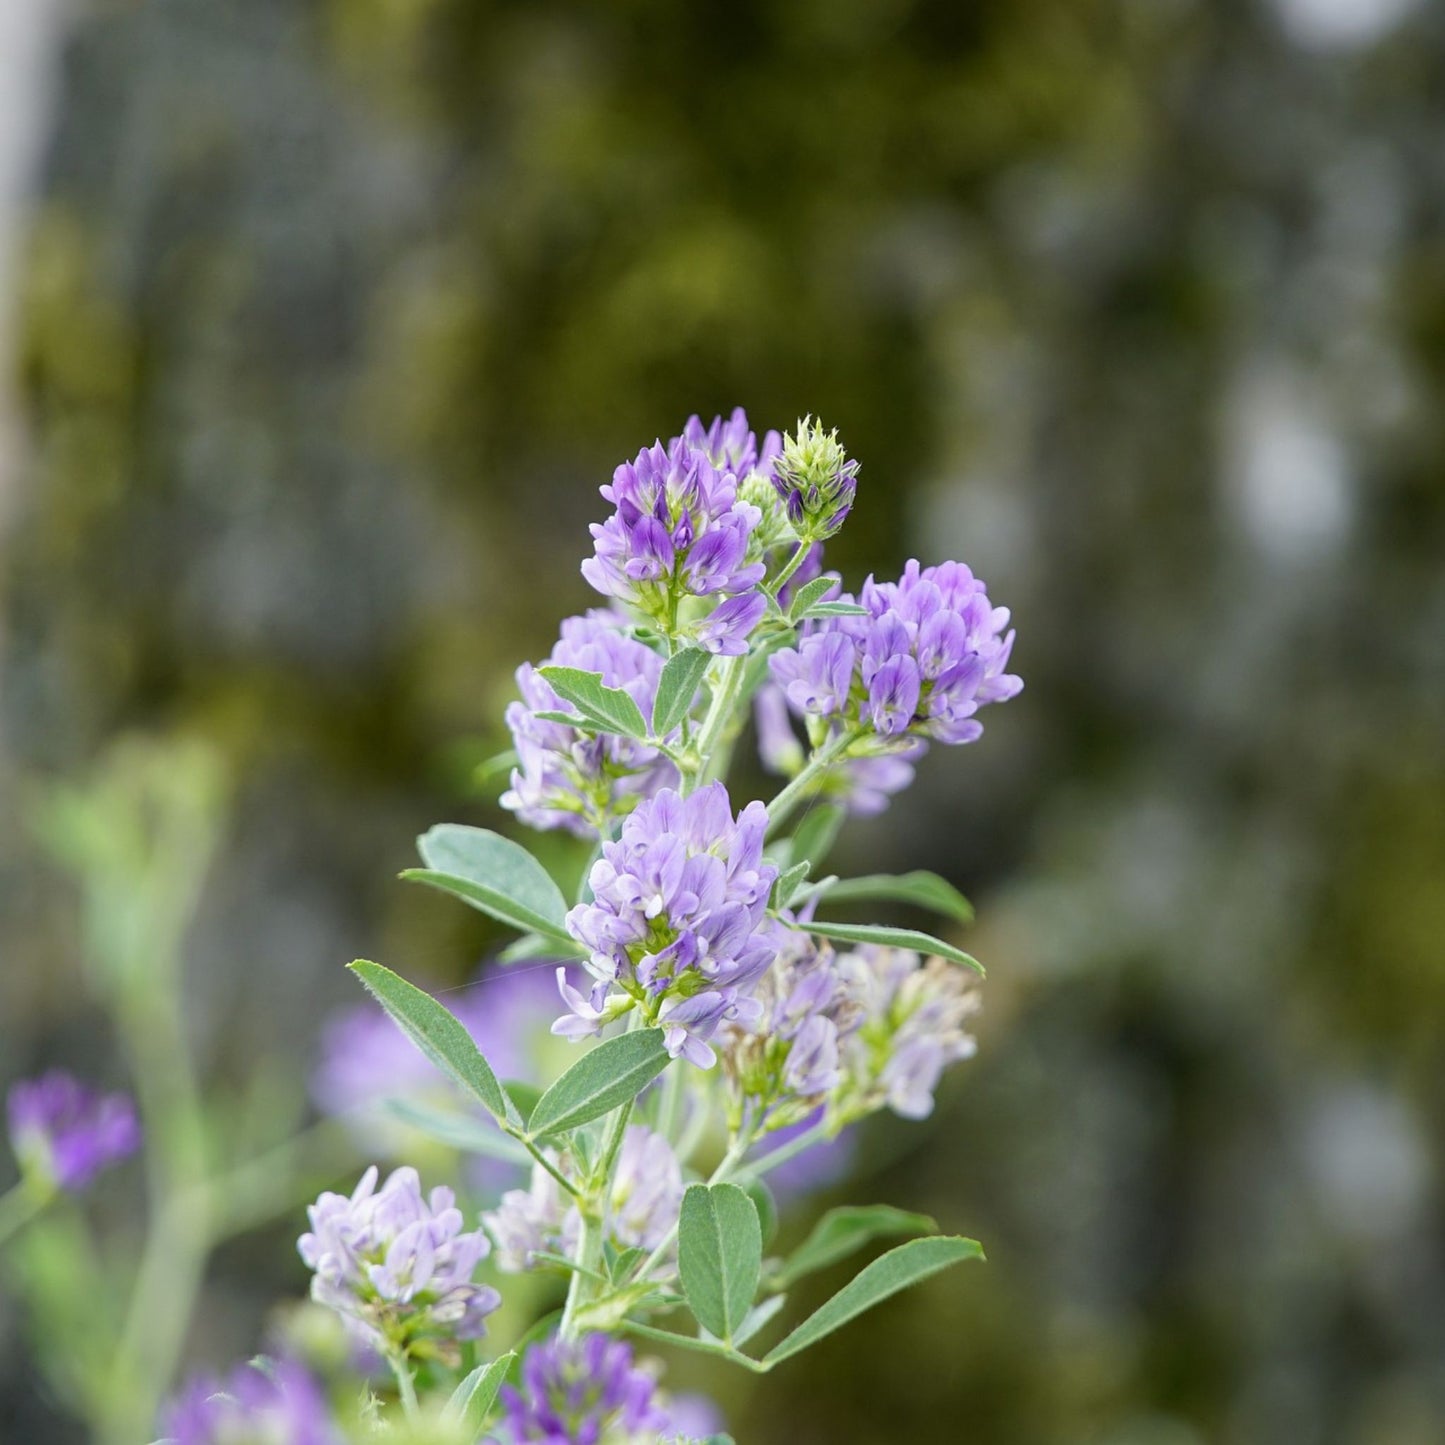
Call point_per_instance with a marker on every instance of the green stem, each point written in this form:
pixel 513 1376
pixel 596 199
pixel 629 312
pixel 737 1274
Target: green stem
pixel 719 714
pixel 406 1386
pixel 18 1206
pixel 789 567
pixel 783 805
pixel 790 1150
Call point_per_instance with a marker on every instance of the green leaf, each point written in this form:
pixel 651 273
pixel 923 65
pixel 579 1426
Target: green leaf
pixel 817 829
pixel 925 889
pixel 488 769
pixel 834 609
pixel 459 1131
pixel 809 594
pixel 840 1231
pixel 624 1262
pixel 524 1095
pixel 720 1255
pixel 892 938
pixel 568 719
pixel 531 945
pixel 677 687
pixel 701 1345
pixel 611 707
pixel 906 1265
pixel 494 874
pixel 471 1402
pixel 499 906
pixel 757 1317
pixel 788 882
pixel 611 1074
pixel 767 1207
pixel 438 1035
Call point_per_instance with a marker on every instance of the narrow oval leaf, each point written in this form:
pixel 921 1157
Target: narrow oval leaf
pixel 840 1231
pixel 494 862
pixel 439 1035
pixel 677 688
pixel 787 883
pixel 906 1265
pixel 611 1074
pixel 471 1402
pixel 720 1256
pixel 610 706
pixel 811 593
pixel 925 889
pixel 459 1131
pixel 835 609
pixel 499 906
pixel 893 938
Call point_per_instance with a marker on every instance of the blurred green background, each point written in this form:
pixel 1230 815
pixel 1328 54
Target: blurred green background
pixel 329 317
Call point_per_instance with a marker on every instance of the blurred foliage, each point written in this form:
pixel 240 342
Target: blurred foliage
pixel 337 313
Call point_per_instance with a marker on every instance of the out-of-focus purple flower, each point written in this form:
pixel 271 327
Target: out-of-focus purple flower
pixel 913 1013
pixel 675 925
pixel 277 1403
pixel 567 779
pixel 398 1265
pixel 65 1133
pixel 816 480
pixel 929 652
pixel 582 1392
pixel 641 1209
pixel 691 1417
pixel 816 1167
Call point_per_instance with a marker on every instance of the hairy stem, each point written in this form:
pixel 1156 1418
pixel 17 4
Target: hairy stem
pixel 826 756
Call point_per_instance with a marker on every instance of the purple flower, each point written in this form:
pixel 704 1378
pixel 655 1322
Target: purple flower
pixel 277 1403
pixel 583 1392
pixel 725 630
pixel 396 1265
pixel 65 1133
pixel 913 1013
pixel 929 652
pixel 565 778
pixel 682 530
pixel 676 922
pixel 642 1207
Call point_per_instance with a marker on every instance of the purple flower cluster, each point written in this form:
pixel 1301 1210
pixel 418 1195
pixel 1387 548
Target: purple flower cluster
pixel 676 921
pixel 277 1403
pixel 66 1133
pixel 642 1207
pixel 913 1013
pixel 681 530
pixel 928 652
pixel 395 1264
pixel 589 1392
pixel 565 778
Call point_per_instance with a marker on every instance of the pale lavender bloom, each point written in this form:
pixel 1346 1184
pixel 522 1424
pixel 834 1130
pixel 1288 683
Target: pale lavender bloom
pixel 642 1207
pixel 275 1404
pixel 582 1392
pixel 913 1012
pixel 566 778
pixel 691 1418
pixel 930 651
pixel 388 1259
pixel 731 445
pixel 725 630
pixel 675 923
pixel 66 1133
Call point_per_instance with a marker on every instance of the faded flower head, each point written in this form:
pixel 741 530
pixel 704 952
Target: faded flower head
pixel 271 1403
pixel 816 480
pixel 913 1013
pixel 65 1133
pixel 675 925
pixel 565 778
pixel 681 531
pixel 785 1060
pixel 928 653
pixel 397 1265
pixel 641 1210
pixel 583 1392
